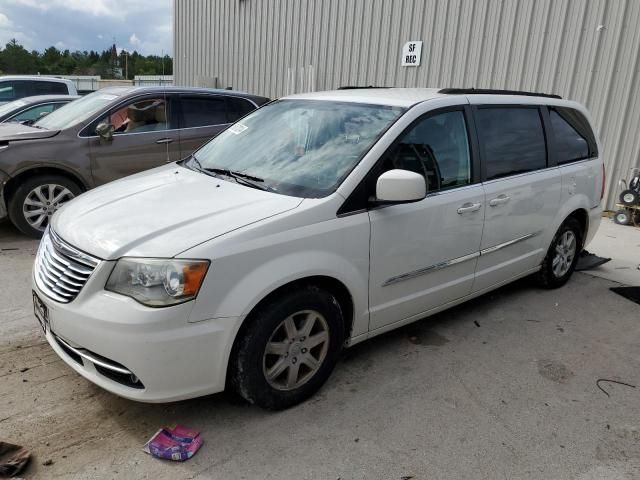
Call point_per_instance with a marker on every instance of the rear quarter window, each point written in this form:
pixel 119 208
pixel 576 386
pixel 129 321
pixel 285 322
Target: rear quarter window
pixel 574 139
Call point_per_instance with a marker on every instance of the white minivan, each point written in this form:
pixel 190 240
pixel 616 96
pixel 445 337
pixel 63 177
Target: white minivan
pixel 316 222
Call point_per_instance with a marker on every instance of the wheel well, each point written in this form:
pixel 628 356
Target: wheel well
pixel 14 182
pixel 582 217
pixel 330 284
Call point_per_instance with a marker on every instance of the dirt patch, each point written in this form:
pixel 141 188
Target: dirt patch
pixel 554 371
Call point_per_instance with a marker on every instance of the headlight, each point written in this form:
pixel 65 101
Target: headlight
pixel 158 282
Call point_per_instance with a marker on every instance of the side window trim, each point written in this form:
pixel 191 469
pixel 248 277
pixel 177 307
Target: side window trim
pixel 482 151
pixel 351 205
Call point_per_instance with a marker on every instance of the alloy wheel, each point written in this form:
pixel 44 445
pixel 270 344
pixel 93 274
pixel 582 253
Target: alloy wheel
pixel 565 253
pixel 296 350
pixel 42 202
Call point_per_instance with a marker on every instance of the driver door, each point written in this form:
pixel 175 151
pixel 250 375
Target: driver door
pixel 424 254
pixel 145 136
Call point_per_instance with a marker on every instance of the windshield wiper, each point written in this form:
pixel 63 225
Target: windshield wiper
pixel 233 174
pixel 239 177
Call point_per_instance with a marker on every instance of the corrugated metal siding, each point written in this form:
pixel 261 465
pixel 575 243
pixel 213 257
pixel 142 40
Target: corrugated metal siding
pixel 586 50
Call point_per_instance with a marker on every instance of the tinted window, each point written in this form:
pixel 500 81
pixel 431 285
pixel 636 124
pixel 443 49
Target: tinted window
pixel 437 147
pixel 512 140
pixel 47 88
pixel 574 139
pixel 199 111
pixel 237 108
pixel 33 113
pixel 7 92
pixel 12 90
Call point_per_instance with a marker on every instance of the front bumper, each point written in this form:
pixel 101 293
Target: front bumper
pixel 136 352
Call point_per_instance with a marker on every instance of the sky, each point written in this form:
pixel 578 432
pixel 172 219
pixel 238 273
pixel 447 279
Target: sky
pixel 142 25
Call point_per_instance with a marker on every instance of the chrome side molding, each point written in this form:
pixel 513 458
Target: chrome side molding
pixel 455 261
pixel 432 268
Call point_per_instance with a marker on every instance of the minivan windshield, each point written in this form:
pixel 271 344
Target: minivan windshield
pixel 302 148
pixel 76 111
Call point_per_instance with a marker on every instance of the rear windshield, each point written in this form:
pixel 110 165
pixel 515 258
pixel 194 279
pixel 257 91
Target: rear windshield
pixel 77 111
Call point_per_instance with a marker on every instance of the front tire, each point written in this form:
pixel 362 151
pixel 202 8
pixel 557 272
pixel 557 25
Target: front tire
pixel 36 200
pixel 288 348
pixel 560 262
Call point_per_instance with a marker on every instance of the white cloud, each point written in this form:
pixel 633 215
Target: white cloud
pixel 134 40
pixel 100 36
pixel 60 45
pixel 5 22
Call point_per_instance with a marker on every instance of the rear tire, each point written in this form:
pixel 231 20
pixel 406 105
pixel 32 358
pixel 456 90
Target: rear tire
pixel 622 217
pixel 630 198
pixel 36 199
pixel 560 262
pixel 275 340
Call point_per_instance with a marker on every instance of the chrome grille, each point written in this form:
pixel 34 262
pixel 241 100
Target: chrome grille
pixel 61 270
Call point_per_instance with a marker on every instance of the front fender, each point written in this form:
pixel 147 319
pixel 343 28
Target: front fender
pixel 245 272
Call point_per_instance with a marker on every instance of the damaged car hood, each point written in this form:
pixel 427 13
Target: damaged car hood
pixel 162 212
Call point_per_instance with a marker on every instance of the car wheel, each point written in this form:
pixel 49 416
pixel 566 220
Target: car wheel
pixel 288 348
pixel 560 262
pixel 35 201
pixel 622 217
pixel 630 198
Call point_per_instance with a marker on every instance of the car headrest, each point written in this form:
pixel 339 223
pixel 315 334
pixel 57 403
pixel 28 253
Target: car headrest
pixel 161 114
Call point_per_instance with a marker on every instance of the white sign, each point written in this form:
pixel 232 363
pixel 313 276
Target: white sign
pixel 411 53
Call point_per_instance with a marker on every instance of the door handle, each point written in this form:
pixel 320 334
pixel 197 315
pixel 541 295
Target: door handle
pixel 499 200
pixel 469 207
pixel 164 140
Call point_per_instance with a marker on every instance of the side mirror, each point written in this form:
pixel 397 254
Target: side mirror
pixel 400 186
pixel 105 131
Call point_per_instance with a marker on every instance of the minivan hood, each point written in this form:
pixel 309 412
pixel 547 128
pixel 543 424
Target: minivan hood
pixel 162 212
pixel 11 132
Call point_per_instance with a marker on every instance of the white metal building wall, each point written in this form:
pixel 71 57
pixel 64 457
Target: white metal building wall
pixel 586 50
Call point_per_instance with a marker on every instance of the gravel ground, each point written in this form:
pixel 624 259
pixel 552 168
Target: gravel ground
pixel 501 387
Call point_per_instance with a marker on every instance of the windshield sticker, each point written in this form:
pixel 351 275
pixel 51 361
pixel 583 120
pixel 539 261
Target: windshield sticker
pixel 108 97
pixel 238 128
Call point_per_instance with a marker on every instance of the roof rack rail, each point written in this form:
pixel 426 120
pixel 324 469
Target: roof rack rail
pixel 490 91
pixel 356 87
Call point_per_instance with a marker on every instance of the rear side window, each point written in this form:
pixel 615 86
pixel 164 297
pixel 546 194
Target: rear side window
pixel 13 90
pixel 47 88
pixel 238 108
pixel 203 110
pixel 512 141
pixel 574 139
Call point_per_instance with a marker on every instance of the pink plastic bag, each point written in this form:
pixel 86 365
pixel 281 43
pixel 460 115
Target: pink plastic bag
pixel 178 443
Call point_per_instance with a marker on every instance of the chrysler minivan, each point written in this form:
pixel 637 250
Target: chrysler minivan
pixel 312 224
